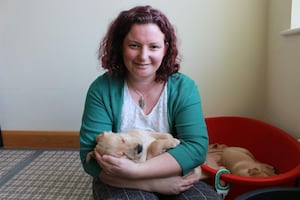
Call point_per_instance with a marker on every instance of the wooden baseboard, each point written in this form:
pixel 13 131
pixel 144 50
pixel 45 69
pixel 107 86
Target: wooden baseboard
pixel 40 139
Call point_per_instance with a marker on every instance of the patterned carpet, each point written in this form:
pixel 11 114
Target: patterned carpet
pixel 43 174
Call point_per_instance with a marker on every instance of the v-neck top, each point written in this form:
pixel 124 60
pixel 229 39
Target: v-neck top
pixel 134 117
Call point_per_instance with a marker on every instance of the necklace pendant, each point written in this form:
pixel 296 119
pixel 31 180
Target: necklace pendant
pixel 142 103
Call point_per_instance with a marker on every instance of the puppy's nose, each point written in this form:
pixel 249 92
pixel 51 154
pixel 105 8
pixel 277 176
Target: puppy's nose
pixel 139 148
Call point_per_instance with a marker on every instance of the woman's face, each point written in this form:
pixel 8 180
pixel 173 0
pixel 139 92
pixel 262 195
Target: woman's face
pixel 143 50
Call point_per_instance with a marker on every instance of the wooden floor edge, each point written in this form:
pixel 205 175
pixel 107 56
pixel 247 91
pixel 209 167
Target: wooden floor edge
pixel 40 139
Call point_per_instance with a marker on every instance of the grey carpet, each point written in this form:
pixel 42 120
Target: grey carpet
pixel 43 174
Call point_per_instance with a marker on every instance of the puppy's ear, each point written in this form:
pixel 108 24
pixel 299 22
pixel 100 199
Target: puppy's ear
pixel 268 169
pixel 253 171
pixel 268 166
pixel 100 136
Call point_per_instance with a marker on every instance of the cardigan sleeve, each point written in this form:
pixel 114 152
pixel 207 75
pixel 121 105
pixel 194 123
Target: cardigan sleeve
pixel 187 123
pixel 96 119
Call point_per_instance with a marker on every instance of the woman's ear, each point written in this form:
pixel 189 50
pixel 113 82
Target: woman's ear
pixel 166 47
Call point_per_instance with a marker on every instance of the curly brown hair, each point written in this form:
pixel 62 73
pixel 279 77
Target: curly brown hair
pixel 110 50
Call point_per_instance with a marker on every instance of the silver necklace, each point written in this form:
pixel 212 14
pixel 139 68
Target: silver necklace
pixel 142 102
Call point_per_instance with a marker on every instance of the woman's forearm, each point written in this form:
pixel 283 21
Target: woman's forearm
pixel 161 166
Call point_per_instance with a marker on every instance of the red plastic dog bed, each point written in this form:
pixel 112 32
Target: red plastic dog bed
pixel 267 143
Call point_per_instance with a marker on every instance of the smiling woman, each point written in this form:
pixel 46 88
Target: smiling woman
pixel 139 52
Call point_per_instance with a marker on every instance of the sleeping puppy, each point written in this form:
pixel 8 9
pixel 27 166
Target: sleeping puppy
pixel 136 145
pixel 239 161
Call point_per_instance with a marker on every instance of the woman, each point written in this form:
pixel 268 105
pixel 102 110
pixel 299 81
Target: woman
pixel 142 88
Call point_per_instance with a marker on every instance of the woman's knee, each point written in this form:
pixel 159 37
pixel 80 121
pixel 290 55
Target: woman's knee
pixel 102 191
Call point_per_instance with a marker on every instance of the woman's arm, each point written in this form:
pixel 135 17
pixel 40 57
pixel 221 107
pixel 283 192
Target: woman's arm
pixel 161 166
pixel 187 122
pixel 123 173
pixel 98 116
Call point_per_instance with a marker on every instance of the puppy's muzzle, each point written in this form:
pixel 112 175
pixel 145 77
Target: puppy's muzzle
pixel 139 148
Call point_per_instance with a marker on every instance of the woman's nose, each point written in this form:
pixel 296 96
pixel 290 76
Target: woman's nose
pixel 143 54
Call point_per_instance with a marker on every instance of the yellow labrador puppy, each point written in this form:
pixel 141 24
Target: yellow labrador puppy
pixel 136 145
pixel 239 161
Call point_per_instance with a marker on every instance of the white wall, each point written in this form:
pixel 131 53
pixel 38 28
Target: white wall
pixel 48 56
pixel 283 83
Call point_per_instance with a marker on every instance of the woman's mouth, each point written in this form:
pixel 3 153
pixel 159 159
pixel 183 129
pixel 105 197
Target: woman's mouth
pixel 142 65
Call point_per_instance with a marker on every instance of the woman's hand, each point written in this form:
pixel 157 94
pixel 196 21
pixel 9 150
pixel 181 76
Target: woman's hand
pixel 117 166
pixel 172 185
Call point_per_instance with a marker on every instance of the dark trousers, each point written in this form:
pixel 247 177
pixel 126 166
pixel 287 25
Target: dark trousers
pixel 199 191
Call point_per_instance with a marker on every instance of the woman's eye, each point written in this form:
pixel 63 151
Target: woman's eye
pixel 154 47
pixel 133 46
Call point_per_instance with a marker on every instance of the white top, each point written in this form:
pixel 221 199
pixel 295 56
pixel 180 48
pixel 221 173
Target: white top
pixel 133 117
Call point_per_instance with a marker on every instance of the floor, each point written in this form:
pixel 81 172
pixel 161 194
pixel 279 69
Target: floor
pixel 43 174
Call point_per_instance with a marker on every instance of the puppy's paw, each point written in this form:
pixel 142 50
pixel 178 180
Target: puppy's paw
pixel 177 141
pixel 89 156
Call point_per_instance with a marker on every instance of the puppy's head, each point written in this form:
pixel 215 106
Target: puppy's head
pixel 212 148
pixel 119 145
pixel 261 170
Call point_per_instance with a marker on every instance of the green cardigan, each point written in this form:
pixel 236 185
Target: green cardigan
pixel 102 112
